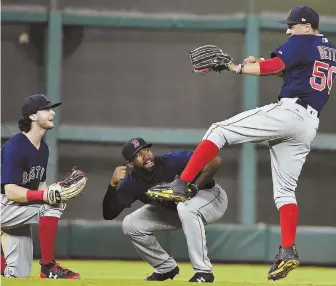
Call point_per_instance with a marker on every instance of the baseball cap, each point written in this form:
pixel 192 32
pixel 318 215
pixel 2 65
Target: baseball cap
pixel 36 102
pixel 302 15
pixel 133 146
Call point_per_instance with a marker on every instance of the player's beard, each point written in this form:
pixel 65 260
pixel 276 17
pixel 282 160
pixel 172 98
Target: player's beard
pixel 145 173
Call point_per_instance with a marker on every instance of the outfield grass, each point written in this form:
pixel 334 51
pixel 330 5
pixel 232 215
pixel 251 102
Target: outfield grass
pixel 111 273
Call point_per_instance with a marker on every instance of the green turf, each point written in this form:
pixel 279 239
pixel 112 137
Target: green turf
pixel 111 273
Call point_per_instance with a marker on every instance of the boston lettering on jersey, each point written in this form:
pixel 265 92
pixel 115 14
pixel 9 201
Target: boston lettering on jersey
pixel 36 172
pixel 22 164
pixel 310 62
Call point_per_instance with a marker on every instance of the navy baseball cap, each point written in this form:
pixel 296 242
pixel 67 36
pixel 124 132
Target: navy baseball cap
pixel 133 146
pixel 302 15
pixel 36 102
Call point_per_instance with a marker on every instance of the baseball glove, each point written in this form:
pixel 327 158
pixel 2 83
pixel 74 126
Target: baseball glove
pixel 166 192
pixel 70 187
pixel 209 58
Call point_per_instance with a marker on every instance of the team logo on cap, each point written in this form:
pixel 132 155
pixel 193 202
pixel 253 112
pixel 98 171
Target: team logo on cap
pixel 135 143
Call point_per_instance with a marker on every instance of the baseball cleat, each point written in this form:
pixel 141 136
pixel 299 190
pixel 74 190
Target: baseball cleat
pixel 285 261
pixel 177 190
pixel 163 276
pixel 202 277
pixel 53 270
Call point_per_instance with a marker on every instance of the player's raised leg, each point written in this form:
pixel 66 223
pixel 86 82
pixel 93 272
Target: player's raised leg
pixel 270 119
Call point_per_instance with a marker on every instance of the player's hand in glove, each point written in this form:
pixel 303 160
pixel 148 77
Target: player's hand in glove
pixel 176 191
pixel 70 187
pixel 209 58
pixel 52 196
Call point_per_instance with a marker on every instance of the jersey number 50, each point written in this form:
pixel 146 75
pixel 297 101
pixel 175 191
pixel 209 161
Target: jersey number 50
pixel 324 72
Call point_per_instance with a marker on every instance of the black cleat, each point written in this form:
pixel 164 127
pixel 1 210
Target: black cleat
pixel 53 270
pixel 177 191
pixel 285 261
pixel 202 277
pixel 163 276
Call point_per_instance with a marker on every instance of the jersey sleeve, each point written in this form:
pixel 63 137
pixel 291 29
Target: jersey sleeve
pixel 292 53
pixel 12 165
pixel 126 193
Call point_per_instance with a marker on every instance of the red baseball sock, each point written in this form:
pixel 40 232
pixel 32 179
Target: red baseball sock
pixel 289 215
pixel 47 229
pixel 203 154
pixel 3 263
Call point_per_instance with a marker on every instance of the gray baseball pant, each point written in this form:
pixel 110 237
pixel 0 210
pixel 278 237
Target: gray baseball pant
pixel 289 129
pixel 205 208
pixel 16 236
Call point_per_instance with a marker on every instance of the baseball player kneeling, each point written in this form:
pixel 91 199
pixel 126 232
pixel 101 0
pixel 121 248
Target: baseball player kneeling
pixel 27 199
pixel 205 203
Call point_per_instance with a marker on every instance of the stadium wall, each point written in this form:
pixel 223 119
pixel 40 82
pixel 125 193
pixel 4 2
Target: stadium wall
pixel 80 239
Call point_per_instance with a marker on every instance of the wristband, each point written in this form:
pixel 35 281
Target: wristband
pixel 35 195
pixel 240 69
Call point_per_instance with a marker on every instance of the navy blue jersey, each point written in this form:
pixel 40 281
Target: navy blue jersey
pixel 167 166
pixel 22 164
pixel 310 62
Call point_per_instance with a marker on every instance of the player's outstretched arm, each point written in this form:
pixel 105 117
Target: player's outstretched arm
pixel 252 66
pixel 251 69
pixel 209 58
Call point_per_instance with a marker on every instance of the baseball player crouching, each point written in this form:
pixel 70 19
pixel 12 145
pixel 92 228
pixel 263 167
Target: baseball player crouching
pixel 204 207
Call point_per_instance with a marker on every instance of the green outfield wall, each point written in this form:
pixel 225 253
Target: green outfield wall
pixel 81 239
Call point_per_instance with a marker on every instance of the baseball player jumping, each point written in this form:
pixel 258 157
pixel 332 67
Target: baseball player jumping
pixel 26 198
pixel 207 206
pixel 307 63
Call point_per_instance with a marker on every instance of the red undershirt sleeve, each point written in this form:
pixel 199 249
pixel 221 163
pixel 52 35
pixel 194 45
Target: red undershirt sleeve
pixel 271 66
